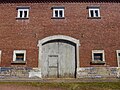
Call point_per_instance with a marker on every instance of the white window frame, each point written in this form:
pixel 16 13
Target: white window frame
pixel 98 51
pixel 19 51
pixel 0 55
pixel 118 58
pixel 23 9
pixel 94 14
pixel 58 10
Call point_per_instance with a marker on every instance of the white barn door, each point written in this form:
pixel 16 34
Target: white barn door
pixel 58 59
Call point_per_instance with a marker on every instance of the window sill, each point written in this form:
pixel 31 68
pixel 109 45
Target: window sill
pixel 97 62
pixel 94 17
pixel 18 18
pixel 58 18
pixel 18 62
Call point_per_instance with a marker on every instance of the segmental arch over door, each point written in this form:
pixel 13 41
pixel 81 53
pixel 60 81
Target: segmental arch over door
pixel 58 56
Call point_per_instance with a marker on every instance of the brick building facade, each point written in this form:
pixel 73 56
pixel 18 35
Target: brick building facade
pixel 92 26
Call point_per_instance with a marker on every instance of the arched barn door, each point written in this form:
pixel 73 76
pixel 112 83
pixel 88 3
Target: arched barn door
pixel 58 59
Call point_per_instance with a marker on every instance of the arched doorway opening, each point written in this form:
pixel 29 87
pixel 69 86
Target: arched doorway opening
pixel 58 56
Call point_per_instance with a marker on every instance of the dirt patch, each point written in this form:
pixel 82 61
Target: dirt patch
pixel 21 87
pixel 59 86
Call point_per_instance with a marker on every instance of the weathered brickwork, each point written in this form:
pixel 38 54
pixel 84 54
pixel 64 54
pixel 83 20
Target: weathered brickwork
pixel 93 34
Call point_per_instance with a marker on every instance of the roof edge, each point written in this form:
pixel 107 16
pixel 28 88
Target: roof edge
pixel 59 1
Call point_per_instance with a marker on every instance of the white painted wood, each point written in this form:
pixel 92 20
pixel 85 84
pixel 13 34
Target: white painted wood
pixel 48 49
pixel 58 59
pixel 53 66
pixel 67 59
pixel 57 37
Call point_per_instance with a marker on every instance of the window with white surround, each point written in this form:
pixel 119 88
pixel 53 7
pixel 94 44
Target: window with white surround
pixel 118 57
pixel 58 12
pixel 23 12
pixel 0 55
pixel 19 56
pixel 98 56
pixel 94 12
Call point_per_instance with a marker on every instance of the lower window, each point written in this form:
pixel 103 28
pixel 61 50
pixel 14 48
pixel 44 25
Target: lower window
pixel 98 57
pixel 118 57
pixel 19 56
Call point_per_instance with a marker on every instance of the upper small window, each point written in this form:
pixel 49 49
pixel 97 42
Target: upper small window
pixel 94 12
pixel 23 12
pixel 58 12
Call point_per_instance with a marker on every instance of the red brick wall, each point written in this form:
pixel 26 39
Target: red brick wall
pixel 94 34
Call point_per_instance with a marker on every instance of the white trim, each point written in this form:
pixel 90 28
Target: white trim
pixel 98 51
pixel 94 14
pixel 23 10
pixel 0 56
pixel 58 10
pixel 19 51
pixel 55 37
pixel 118 57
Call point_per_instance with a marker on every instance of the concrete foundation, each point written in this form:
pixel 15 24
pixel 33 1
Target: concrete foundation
pixel 83 72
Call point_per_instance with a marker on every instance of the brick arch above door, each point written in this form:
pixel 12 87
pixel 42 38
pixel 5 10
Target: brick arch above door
pixel 58 37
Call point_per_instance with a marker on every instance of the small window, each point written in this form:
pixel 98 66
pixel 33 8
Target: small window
pixel 94 12
pixel 98 56
pixel 23 12
pixel 58 12
pixel 0 55
pixel 19 55
pixel 118 57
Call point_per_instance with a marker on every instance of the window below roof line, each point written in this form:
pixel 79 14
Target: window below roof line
pixel 93 12
pixel 58 12
pixel 22 12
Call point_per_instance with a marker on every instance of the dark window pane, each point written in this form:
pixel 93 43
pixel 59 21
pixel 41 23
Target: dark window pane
pixel 92 13
pixel 56 13
pixel 21 13
pixel 25 14
pixel 98 56
pixel 96 13
pixel 118 54
pixel 20 57
pixel 61 13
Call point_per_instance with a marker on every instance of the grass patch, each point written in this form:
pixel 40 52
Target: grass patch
pixel 71 86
